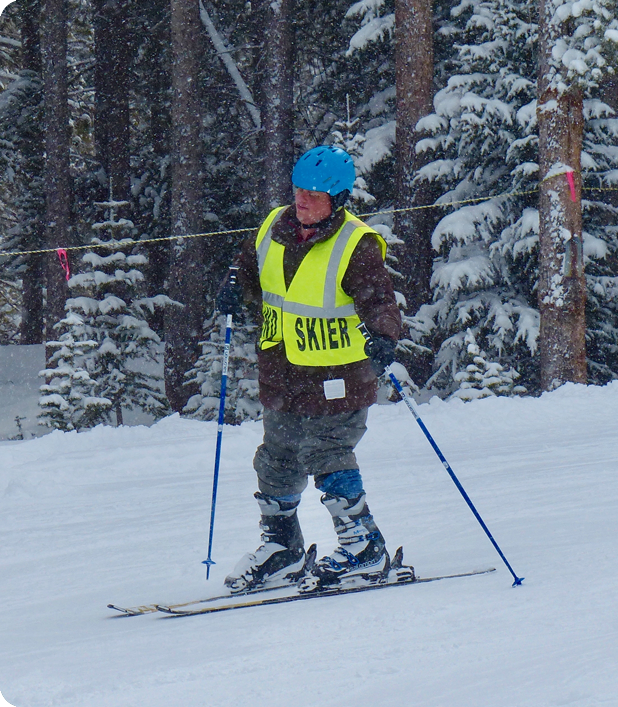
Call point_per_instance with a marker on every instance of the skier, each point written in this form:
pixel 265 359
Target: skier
pixel 317 272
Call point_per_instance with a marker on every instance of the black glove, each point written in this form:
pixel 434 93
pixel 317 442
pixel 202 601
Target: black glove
pixel 229 298
pixel 381 351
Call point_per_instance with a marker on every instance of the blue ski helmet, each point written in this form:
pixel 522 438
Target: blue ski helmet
pixel 325 168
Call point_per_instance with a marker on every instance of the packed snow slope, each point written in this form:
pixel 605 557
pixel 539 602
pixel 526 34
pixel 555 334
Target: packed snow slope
pixel 121 515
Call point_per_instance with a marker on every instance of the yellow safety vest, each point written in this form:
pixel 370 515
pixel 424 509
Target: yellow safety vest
pixel 314 317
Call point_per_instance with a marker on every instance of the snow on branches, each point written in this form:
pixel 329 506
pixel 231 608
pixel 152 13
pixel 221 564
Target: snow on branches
pixel 582 34
pixel 101 362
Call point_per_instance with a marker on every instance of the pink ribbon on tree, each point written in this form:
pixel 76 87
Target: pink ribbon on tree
pixel 571 181
pixel 63 256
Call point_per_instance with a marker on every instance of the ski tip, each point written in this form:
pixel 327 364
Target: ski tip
pixel 171 611
pixel 122 611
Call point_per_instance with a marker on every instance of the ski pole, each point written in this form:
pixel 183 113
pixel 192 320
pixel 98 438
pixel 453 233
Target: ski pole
pixel 412 408
pixel 226 359
pixel 451 473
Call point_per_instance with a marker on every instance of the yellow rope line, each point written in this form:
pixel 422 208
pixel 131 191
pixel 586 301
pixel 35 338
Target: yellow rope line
pixel 130 242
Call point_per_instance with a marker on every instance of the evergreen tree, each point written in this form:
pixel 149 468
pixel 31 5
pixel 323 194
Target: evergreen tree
pixel 241 400
pixel 484 140
pixel 106 336
pixel 347 136
pixel 10 304
pixel 482 378
pixel 482 145
pixel 601 241
pixel 68 399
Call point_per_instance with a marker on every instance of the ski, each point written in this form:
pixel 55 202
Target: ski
pixel 333 592
pixel 153 608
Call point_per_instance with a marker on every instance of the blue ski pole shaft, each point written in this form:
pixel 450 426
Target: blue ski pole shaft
pixel 451 473
pixel 215 481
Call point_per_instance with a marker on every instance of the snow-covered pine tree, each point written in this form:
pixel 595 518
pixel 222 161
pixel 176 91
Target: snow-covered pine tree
pixel 241 400
pixel 10 303
pixel 480 138
pixel 482 378
pixel 68 399
pixel 349 46
pixel 370 26
pixel 347 136
pixel 109 311
pixel 485 142
pixel 600 163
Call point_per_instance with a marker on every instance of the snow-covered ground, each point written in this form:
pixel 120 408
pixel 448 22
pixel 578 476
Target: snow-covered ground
pixel 121 515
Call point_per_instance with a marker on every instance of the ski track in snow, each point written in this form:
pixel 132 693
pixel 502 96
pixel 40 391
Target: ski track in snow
pixel 121 515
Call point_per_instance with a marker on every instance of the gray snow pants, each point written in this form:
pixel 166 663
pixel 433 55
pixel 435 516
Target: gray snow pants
pixel 295 447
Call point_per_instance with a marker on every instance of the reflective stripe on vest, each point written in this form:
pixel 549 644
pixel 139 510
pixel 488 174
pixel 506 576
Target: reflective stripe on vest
pixel 314 316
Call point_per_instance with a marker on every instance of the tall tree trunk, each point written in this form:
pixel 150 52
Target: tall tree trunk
pixel 58 186
pixel 31 144
pixel 415 91
pixel 277 103
pixel 562 286
pixel 183 326
pixel 158 96
pixel 111 79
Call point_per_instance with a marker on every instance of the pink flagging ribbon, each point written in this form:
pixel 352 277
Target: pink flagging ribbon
pixel 571 181
pixel 63 256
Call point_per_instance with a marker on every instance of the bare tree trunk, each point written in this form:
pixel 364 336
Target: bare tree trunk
pixel 415 90
pixel 183 326
pixel 562 287
pixel 277 103
pixel 32 150
pixel 111 79
pixel 58 186
pixel 160 138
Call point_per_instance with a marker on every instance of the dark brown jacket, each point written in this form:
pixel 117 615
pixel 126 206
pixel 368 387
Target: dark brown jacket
pixel 299 389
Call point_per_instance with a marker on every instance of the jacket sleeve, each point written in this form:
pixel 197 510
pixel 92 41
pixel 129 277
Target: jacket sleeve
pixel 369 284
pixel 248 274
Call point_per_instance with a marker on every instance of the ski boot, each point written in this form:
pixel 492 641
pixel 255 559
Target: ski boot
pixel 362 550
pixel 281 557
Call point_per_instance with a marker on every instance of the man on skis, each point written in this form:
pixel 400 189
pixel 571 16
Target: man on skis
pixel 318 272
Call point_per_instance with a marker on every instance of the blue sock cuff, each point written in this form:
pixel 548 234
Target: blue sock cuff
pixel 347 483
